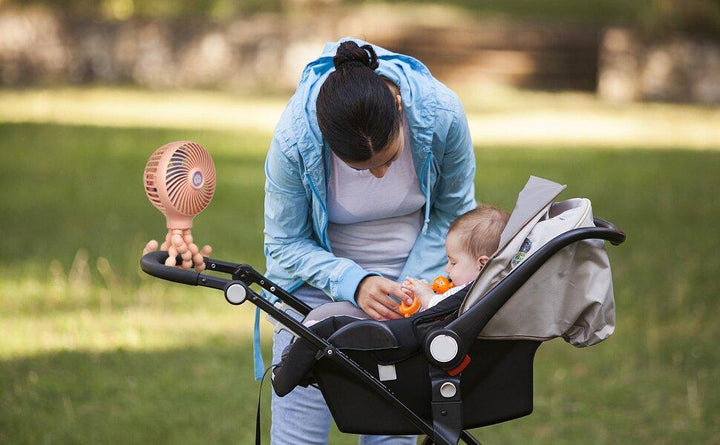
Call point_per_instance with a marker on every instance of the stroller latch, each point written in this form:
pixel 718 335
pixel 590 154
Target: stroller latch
pixel 461 367
pixel 446 407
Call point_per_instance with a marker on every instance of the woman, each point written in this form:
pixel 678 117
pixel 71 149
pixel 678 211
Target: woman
pixel 369 163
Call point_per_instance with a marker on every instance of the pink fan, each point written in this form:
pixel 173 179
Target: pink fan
pixel 180 181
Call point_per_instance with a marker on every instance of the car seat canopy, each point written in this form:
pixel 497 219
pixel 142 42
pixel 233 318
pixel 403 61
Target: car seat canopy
pixel 571 294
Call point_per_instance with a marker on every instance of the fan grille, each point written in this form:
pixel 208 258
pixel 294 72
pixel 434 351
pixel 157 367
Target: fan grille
pixel 190 179
pixel 151 170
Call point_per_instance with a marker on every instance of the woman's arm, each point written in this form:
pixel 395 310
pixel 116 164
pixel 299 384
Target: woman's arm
pixel 453 195
pixel 289 236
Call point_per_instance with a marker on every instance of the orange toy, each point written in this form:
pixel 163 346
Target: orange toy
pixel 442 284
pixel 411 309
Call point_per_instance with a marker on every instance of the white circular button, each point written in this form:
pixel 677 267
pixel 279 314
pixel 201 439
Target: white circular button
pixel 443 348
pixel 235 293
pixel 448 390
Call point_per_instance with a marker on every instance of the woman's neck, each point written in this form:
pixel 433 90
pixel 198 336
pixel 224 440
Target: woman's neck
pixel 394 88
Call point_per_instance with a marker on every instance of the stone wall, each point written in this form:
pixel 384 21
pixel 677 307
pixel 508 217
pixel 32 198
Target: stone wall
pixel 673 68
pixel 39 46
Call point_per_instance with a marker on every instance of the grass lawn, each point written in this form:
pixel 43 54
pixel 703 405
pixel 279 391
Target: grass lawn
pixel 93 351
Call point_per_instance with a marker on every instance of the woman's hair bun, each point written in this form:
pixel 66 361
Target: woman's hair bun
pixel 349 54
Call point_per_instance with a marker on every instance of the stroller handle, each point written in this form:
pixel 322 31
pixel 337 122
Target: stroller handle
pixel 153 263
pixel 615 236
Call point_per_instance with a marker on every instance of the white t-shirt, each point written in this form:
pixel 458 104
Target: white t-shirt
pixel 375 221
pixel 437 298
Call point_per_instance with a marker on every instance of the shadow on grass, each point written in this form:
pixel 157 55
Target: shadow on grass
pixel 194 395
pixel 206 394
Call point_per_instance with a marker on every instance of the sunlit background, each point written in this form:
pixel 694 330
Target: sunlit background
pixel 619 100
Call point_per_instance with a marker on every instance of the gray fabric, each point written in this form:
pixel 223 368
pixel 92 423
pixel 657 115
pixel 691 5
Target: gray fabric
pixel 571 295
pixel 536 195
pixel 334 309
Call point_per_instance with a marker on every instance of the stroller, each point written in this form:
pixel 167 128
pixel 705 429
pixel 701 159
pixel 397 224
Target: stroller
pixel 464 363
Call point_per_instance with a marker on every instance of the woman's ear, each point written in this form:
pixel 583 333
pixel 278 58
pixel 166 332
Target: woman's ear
pixel 398 99
pixel 482 261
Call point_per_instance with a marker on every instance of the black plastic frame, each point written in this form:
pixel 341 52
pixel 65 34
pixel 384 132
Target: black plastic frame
pixel 464 329
pixel 153 264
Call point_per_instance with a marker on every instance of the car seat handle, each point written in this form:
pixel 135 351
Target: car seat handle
pixel 466 328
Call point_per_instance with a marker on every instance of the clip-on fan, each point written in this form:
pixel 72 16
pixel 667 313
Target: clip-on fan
pixel 180 182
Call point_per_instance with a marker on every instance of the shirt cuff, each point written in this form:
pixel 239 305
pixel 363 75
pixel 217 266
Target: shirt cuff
pixel 350 281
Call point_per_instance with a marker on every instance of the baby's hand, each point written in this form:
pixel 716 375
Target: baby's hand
pixel 414 284
pixel 419 289
pixel 180 242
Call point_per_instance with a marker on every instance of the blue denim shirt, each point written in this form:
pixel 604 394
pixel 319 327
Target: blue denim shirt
pixel 297 246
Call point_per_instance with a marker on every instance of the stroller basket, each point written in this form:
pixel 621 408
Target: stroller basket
pixel 428 374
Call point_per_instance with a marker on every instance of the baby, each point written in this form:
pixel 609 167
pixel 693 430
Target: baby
pixel 472 238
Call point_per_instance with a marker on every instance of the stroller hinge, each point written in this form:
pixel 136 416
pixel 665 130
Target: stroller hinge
pixel 327 352
pixel 446 407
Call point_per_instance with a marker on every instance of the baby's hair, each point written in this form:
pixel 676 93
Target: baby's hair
pixel 480 229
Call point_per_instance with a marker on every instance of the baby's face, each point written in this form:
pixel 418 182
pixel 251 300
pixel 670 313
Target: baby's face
pixel 461 266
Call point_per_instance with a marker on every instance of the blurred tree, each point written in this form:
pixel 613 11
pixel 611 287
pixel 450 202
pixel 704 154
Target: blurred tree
pixel 155 9
pixel 696 17
pixel 654 16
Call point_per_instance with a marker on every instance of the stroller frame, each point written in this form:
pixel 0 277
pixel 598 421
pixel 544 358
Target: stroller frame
pixel 445 369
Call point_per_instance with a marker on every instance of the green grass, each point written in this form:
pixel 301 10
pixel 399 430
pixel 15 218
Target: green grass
pixel 93 351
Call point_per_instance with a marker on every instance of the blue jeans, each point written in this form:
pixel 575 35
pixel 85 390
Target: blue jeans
pixel 302 417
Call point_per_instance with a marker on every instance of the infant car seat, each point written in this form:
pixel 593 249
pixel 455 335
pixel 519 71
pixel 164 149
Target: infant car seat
pixel 464 363
pixel 569 296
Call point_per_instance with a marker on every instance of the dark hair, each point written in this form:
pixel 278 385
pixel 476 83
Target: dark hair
pixel 356 110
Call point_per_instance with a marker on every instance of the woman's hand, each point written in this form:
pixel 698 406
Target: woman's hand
pixel 373 297
pixel 180 242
